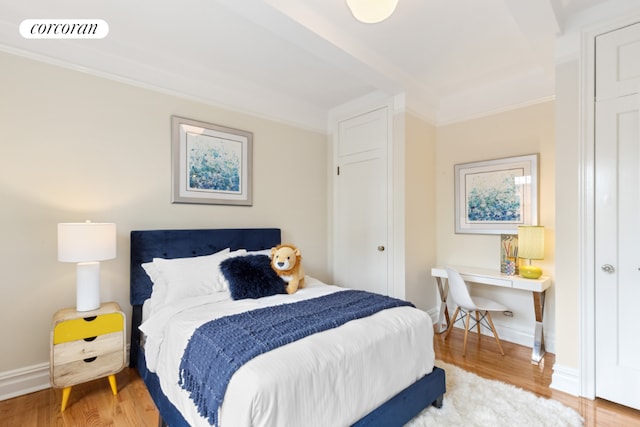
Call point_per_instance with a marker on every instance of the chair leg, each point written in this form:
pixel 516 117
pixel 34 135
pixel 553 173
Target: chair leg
pixel 466 332
pixel 478 323
pixel 495 333
pixel 451 322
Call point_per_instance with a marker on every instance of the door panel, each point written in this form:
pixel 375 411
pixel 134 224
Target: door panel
pixel 617 238
pixel 617 65
pixel 617 217
pixel 360 262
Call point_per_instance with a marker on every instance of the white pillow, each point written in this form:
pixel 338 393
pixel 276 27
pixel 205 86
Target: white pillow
pixel 159 289
pixel 192 277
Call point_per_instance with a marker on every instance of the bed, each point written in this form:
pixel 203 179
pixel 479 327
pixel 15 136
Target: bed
pixel 392 393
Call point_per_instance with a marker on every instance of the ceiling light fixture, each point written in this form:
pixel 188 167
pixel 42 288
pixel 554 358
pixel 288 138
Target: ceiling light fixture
pixel 372 11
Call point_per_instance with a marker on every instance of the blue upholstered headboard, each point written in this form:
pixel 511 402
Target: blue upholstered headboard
pixel 149 244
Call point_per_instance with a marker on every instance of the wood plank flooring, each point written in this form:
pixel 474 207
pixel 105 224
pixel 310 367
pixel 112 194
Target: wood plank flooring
pixel 515 367
pixel 90 405
pixel 93 405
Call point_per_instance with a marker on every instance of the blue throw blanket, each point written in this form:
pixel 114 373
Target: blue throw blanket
pixel 218 348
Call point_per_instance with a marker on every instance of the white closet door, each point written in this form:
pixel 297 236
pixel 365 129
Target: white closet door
pixel 360 240
pixel 617 216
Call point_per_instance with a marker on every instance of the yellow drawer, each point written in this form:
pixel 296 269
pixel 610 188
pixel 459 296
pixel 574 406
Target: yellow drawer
pixel 78 329
pixel 78 350
pixel 69 374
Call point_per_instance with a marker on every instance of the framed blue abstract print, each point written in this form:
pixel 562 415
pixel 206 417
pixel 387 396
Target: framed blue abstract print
pixel 211 164
pixel 495 196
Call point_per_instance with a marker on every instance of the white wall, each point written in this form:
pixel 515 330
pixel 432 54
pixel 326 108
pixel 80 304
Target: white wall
pixel 78 147
pixel 517 132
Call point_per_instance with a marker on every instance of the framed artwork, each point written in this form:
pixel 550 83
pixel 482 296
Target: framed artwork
pixel 211 164
pixel 495 196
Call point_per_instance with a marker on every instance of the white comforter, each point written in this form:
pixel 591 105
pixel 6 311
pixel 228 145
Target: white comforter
pixel 332 378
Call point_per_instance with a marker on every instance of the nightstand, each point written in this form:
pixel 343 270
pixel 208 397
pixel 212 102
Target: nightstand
pixel 86 345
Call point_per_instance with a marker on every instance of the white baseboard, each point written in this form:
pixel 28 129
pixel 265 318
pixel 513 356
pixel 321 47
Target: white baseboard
pixel 524 337
pixel 24 380
pixel 433 313
pixel 566 380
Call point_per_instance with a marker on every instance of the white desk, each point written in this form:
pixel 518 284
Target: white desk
pixel 494 278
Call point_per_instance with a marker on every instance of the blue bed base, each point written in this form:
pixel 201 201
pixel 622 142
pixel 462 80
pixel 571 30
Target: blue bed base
pixel 147 244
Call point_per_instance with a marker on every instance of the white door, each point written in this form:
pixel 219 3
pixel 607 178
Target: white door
pixel 360 241
pixel 617 216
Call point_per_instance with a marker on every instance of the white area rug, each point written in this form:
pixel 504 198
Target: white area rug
pixel 471 400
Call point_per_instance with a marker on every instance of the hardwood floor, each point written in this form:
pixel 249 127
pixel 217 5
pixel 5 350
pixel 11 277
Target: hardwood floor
pixel 515 367
pixel 92 404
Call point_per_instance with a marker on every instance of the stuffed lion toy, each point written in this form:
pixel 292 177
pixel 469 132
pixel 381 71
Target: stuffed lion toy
pixel 287 263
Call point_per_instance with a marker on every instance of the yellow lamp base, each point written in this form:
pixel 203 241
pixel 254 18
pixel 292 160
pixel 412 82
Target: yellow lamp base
pixel 530 271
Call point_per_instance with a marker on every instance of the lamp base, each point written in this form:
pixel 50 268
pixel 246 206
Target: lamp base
pixel 87 286
pixel 530 271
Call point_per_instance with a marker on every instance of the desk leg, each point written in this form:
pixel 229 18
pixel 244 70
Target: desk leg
pixel 443 291
pixel 538 339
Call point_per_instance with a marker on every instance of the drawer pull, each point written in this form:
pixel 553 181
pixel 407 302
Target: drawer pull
pixel 89 339
pixel 90 359
pixel 90 318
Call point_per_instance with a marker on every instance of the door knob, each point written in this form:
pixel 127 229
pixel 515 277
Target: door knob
pixel 381 248
pixel 608 268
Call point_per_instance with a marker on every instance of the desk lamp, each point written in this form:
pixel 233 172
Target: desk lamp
pixel 87 243
pixel 530 246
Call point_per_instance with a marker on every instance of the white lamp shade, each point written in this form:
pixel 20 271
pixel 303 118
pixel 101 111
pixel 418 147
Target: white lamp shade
pixel 372 11
pixel 531 241
pixel 86 241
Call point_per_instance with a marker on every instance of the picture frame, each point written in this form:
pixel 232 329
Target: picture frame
pixel 211 164
pixel 496 196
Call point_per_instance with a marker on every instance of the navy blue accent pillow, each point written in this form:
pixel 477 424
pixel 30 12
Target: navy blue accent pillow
pixel 251 276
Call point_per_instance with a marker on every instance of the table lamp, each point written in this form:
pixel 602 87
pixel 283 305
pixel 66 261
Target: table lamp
pixel 87 243
pixel 530 246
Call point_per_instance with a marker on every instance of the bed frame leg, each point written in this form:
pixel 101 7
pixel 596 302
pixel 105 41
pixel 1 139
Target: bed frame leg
pixel 438 402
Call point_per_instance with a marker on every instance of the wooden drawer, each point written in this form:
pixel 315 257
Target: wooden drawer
pixel 87 345
pixel 72 373
pixel 83 349
pixel 81 328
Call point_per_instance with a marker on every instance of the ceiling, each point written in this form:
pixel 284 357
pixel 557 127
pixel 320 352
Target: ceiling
pixel 294 60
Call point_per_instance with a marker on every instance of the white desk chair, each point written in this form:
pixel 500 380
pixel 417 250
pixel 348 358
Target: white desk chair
pixel 466 305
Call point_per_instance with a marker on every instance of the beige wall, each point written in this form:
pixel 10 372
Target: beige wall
pixel 567 214
pixel 518 132
pixel 78 147
pixel 420 211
